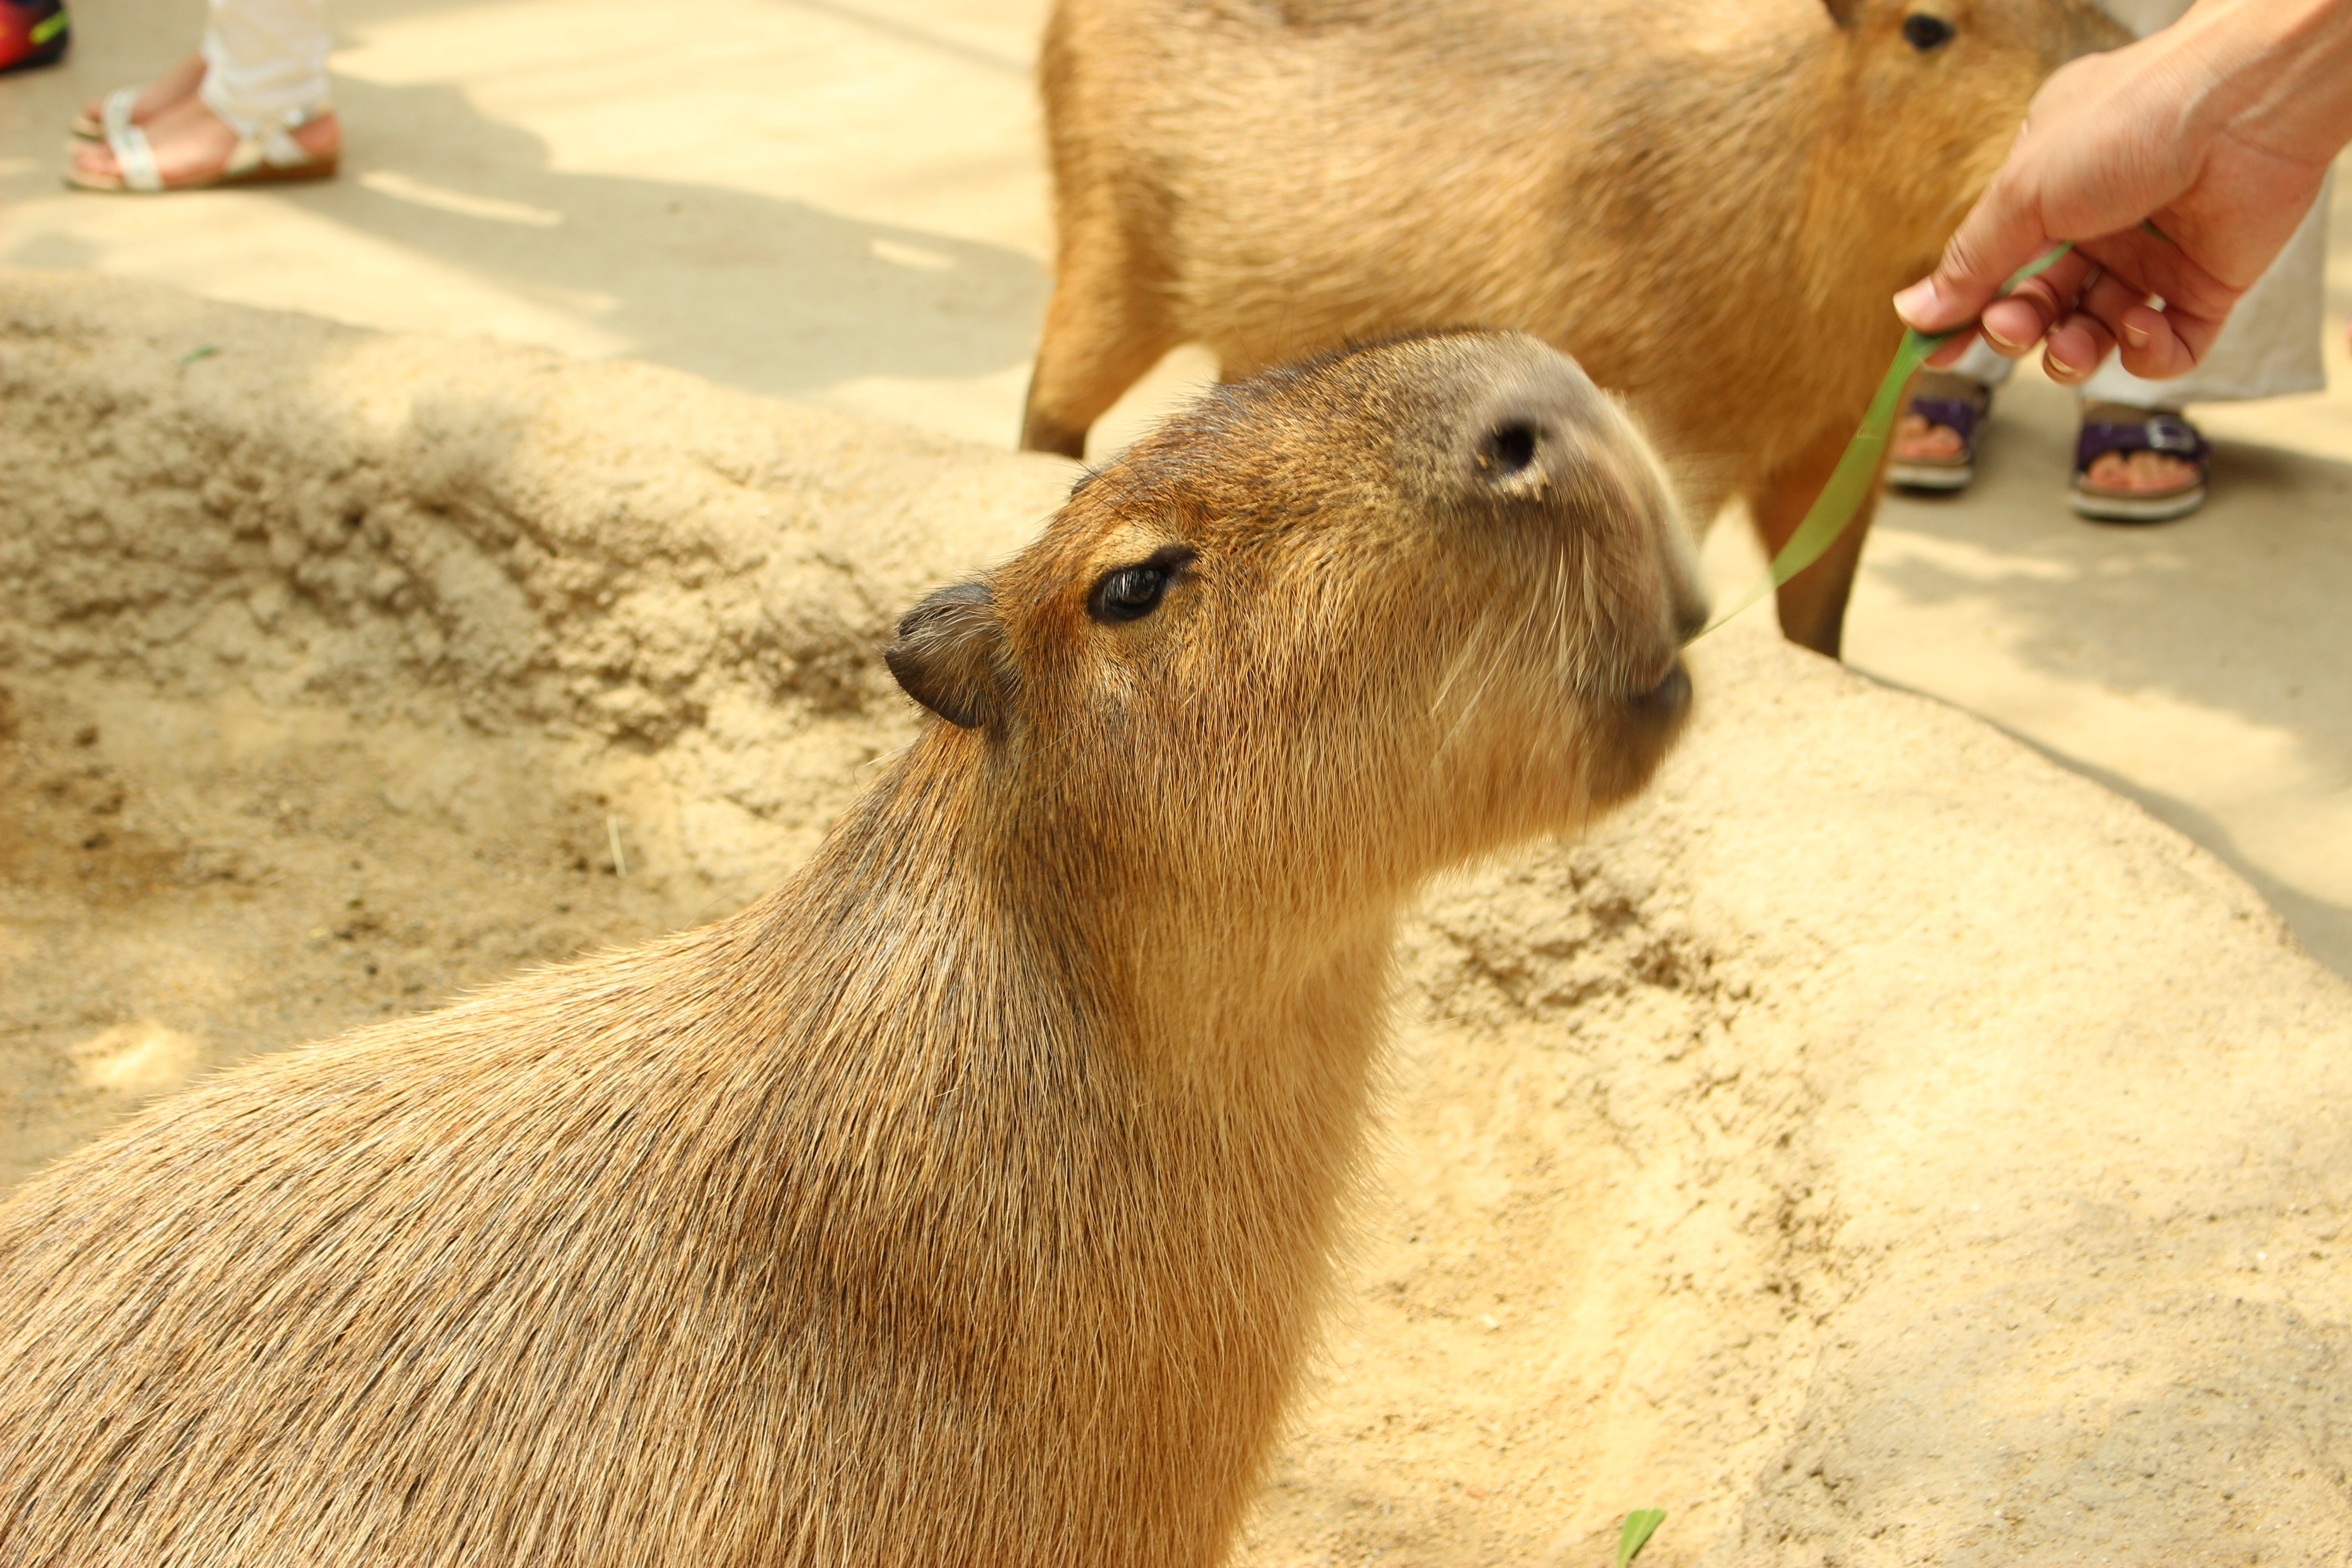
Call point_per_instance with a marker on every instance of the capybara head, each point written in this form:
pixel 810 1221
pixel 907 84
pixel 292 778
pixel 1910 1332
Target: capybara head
pixel 1934 90
pixel 1330 628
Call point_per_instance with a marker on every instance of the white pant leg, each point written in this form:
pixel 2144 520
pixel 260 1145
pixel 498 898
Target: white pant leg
pixel 1980 363
pixel 2270 345
pixel 266 62
pixel 2145 16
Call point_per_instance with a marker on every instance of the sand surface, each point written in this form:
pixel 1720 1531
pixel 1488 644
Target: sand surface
pixel 1880 1145
pixel 843 200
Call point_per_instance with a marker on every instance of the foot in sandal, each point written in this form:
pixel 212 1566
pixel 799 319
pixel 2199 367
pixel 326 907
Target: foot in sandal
pixel 185 146
pixel 1934 442
pixel 2138 465
pixel 138 105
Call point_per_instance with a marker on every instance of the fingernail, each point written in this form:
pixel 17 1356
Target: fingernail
pixel 1999 342
pixel 2135 336
pixel 1916 304
pixel 2060 365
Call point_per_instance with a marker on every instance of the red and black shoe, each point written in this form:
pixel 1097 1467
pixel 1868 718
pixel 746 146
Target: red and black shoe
pixel 32 33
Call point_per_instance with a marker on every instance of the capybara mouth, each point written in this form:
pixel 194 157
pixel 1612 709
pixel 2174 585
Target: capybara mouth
pixel 1644 727
pixel 1670 698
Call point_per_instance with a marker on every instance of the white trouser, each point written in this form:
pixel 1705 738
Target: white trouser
pixel 265 62
pixel 2269 346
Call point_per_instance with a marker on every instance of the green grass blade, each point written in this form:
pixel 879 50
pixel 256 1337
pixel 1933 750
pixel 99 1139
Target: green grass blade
pixel 1849 483
pixel 1640 1525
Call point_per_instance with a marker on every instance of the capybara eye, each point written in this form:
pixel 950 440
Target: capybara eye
pixel 1507 450
pixel 1131 592
pixel 1924 32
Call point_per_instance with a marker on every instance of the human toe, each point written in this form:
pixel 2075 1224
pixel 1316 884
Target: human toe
pixel 1918 438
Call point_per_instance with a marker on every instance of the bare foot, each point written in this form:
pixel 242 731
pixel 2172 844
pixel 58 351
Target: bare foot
pixel 193 146
pixel 174 86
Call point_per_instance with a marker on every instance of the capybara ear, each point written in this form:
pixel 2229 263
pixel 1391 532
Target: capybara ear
pixel 1843 12
pixel 948 655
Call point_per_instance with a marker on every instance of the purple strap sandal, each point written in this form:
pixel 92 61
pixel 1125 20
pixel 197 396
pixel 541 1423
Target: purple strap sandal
pixel 2117 427
pixel 1958 403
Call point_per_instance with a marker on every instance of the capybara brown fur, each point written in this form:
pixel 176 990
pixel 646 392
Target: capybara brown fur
pixel 1708 203
pixel 968 1200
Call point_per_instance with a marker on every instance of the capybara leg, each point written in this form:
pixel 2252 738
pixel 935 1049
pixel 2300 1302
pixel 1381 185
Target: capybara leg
pixel 1812 603
pixel 1104 328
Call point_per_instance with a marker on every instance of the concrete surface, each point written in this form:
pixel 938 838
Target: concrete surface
pixel 843 200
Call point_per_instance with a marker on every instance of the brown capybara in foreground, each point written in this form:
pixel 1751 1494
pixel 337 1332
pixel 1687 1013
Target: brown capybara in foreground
pixel 968 1200
pixel 1706 202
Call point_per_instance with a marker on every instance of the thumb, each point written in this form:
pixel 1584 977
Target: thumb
pixel 2002 233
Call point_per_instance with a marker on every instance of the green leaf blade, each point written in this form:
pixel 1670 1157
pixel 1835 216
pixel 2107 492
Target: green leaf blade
pixel 1856 474
pixel 1640 1525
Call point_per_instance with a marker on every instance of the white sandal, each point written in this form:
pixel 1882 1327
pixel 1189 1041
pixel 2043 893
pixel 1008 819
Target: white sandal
pixel 272 154
pixel 113 110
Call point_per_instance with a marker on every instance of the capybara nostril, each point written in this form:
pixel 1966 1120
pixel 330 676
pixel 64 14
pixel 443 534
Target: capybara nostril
pixel 1508 449
pixel 1527 427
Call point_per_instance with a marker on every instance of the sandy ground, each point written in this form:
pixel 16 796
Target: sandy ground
pixel 843 200
pixel 1878 1146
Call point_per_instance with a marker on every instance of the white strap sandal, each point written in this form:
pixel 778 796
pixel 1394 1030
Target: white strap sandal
pixel 114 116
pixel 132 156
pixel 269 154
pixel 114 109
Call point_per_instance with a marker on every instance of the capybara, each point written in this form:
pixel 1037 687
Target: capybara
pixel 967 1200
pixel 1708 201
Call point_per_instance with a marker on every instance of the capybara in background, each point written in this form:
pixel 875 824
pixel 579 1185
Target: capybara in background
pixel 967 1200
pixel 1706 202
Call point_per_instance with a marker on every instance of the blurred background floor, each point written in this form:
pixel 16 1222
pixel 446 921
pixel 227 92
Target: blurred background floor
pixel 844 202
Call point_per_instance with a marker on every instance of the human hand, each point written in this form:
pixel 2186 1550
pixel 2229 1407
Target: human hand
pixel 2217 132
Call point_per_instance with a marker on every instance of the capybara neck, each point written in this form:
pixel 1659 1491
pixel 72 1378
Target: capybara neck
pixel 1163 969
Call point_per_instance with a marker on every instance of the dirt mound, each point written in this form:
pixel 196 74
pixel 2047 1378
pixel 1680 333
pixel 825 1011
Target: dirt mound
pixel 1876 1147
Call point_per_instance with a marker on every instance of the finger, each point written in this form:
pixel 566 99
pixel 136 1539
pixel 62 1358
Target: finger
pixel 2109 301
pixel 1949 354
pixel 2011 327
pixel 2160 344
pixel 2110 297
pixel 2014 324
pixel 2002 233
pixel 2155 266
pixel 2075 347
